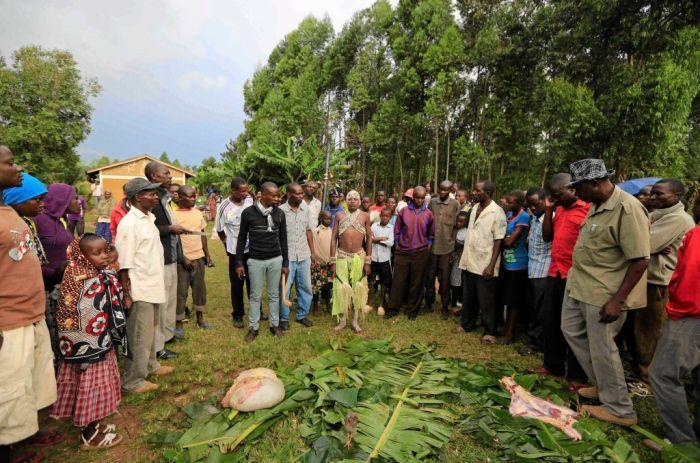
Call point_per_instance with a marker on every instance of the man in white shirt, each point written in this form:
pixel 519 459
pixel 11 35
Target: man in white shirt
pixel 141 263
pixel 480 260
pixel 314 204
pixel 227 225
pixel 382 241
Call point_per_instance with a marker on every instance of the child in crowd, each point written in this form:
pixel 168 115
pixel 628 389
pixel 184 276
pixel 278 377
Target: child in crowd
pixel 190 272
pixel 320 272
pixel 456 274
pixel 91 322
pixel 112 258
pixel 382 241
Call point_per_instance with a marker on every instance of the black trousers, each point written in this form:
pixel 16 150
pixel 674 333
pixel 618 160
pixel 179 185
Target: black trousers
pixel 479 296
pixel 438 266
pixel 237 287
pixel 535 329
pixel 558 357
pixel 409 278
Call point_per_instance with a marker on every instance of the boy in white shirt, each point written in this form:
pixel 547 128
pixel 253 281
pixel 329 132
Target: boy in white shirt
pixel 382 241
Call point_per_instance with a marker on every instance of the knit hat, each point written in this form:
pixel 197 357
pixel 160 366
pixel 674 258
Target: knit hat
pixel 31 188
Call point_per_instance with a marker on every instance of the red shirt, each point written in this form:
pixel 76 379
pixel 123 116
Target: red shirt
pixel 684 290
pixel 115 217
pixel 567 224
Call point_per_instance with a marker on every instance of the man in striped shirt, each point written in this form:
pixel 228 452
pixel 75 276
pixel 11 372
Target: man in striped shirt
pixel 539 261
pixel 227 225
pixel 414 232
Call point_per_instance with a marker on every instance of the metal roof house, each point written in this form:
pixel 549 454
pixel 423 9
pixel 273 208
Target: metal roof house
pixel 114 176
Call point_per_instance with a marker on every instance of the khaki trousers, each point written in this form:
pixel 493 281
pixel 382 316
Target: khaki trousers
pixel 141 327
pixel 27 380
pixel 647 326
pixel 592 343
pixel 167 311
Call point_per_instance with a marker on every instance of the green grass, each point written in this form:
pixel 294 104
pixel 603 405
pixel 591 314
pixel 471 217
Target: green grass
pixel 209 360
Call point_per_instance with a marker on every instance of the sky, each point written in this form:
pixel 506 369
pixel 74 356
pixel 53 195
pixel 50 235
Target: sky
pixel 171 71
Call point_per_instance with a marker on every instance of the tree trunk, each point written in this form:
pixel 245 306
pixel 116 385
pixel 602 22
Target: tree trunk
pixel 374 181
pixel 544 175
pixel 447 169
pixel 437 156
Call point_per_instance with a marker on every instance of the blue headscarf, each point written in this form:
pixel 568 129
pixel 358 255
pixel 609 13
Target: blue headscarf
pixel 31 188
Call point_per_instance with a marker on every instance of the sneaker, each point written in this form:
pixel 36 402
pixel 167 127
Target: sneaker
pixel 238 323
pixel 588 392
pixel 205 325
pixel 166 354
pixel 276 331
pixel 147 386
pixel 164 370
pixel 284 325
pixel 602 414
pixel 306 322
pixel 251 335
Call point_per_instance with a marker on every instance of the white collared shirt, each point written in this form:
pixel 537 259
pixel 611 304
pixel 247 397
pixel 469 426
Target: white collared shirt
pixel 141 253
pixel 381 252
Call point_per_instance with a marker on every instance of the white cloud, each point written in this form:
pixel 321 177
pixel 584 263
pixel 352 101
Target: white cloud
pixel 166 61
pixel 203 81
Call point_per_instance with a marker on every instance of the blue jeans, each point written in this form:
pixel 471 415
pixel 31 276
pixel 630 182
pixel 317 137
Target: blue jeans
pixel 300 272
pixel 258 272
pixel 102 230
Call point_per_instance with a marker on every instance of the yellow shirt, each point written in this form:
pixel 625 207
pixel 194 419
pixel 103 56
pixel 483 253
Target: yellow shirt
pixel 614 233
pixel 192 220
pixel 483 231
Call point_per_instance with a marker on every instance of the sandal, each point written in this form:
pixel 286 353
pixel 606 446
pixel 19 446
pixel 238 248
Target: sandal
pixel 103 437
pixel 639 389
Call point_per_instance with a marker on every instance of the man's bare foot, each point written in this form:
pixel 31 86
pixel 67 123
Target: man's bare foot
pixel 356 328
pixel 340 327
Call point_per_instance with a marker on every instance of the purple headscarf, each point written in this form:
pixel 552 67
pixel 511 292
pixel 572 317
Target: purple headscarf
pixel 52 232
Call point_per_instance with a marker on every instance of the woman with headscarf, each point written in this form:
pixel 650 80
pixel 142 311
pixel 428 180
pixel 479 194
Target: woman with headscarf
pixel 52 227
pixel 28 201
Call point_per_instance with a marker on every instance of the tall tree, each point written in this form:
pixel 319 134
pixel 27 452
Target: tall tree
pixel 45 111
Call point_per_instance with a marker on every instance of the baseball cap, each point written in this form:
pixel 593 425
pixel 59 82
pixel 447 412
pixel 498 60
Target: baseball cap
pixel 137 185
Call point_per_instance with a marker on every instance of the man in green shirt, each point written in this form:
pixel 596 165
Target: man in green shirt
pixel 608 277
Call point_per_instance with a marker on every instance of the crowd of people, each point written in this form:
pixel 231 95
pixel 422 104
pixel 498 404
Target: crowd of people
pixel 576 269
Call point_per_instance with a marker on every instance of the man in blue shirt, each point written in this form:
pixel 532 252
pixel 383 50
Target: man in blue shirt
pixel 515 262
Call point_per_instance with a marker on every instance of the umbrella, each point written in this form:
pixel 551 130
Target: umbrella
pixel 634 185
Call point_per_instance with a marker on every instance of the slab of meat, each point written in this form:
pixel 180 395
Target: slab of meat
pixel 524 404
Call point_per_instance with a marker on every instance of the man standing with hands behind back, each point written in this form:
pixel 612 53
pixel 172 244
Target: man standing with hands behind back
pixel 445 210
pixel 607 278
